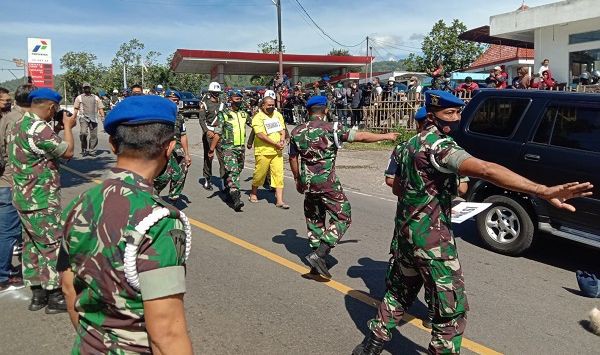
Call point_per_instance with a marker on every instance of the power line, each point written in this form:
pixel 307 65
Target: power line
pixel 323 31
pixel 309 25
pixel 394 45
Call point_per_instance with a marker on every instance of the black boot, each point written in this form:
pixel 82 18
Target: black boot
pixel 39 298
pixel 56 302
pixel 236 201
pixel 372 345
pixel 316 259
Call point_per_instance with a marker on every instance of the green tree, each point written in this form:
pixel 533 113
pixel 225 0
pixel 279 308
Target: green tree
pixel 270 47
pixel 443 43
pixel 339 52
pixel 80 67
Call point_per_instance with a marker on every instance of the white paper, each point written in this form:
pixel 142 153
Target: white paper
pixel 273 125
pixel 465 210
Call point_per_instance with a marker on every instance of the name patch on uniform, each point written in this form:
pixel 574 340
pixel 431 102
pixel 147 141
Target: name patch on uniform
pixel 179 239
pixel 273 125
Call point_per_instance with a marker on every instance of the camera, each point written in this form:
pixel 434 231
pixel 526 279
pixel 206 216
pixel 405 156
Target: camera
pixel 58 118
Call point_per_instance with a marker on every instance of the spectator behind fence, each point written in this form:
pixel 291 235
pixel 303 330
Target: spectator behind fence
pixel 545 67
pixel 415 87
pixel 547 82
pixel 356 105
pixel 523 81
pixel 468 86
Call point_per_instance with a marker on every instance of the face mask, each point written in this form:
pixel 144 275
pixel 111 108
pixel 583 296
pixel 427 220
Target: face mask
pixel 446 127
pixel 236 104
pixel 87 91
pixel 214 94
pixel 270 110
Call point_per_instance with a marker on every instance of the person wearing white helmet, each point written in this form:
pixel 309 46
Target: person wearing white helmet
pixel 160 90
pixel 209 109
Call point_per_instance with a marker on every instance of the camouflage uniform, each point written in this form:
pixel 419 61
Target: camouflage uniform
pixel 231 126
pixel 315 142
pixel 33 156
pixel 423 247
pixel 99 225
pixel 208 119
pixel 177 168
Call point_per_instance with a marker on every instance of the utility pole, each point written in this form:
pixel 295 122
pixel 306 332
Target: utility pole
pixel 367 63
pixel 278 4
pixel 371 69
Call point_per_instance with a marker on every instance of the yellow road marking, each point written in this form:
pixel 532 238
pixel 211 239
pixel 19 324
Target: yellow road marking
pixel 301 269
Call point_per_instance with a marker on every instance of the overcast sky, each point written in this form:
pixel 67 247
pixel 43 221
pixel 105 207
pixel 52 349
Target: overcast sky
pixel 397 26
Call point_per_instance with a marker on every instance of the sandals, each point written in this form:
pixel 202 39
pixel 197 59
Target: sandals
pixel 283 206
pixel 253 200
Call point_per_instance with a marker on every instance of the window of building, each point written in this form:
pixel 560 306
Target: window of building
pixel 584 37
pixel 570 127
pixel 584 61
pixel 498 116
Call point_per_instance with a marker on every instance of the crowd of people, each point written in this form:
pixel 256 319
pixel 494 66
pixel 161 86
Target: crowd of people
pixel 114 258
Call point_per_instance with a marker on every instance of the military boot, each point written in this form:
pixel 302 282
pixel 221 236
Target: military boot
pixel 372 345
pixel 39 298
pixel 56 302
pixel 316 259
pixel 236 201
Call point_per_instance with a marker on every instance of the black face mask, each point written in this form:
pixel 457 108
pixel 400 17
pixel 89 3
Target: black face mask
pixel 214 94
pixel 87 91
pixel 270 110
pixel 236 104
pixel 453 126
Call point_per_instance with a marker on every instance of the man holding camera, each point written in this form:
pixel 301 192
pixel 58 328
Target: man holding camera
pixel 91 108
pixel 33 154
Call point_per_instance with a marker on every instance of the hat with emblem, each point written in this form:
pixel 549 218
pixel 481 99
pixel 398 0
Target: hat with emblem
pixel 441 99
pixel 235 92
pixel 172 93
pixel 316 101
pixel 44 94
pixel 421 114
pixel 137 110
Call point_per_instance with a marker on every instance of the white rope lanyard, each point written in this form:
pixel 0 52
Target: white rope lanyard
pixel 131 249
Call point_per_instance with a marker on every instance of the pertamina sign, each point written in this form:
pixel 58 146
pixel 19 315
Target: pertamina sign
pixel 39 62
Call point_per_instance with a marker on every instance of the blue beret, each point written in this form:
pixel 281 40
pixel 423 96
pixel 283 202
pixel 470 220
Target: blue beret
pixel 235 93
pixel 44 94
pixel 442 99
pixel 316 101
pixel 172 93
pixel 421 114
pixel 136 110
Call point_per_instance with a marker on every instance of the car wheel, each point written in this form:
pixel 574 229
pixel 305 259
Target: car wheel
pixel 505 227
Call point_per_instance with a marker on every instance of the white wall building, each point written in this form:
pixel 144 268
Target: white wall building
pixel 565 32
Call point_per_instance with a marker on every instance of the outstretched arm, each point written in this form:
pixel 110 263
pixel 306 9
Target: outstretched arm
pixel 503 177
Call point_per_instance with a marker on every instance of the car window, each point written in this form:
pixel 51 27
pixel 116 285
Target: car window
pixel 498 116
pixel 570 127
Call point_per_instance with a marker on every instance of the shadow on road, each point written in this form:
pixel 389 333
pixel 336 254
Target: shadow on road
pixel 372 272
pixel 547 249
pixel 298 246
pixel 93 167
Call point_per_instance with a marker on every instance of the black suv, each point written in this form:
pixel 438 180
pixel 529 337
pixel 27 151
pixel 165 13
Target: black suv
pixel 547 136
pixel 190 104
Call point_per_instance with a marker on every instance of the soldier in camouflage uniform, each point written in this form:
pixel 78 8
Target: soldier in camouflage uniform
pixel 316 142
pixel 209 108
pixel 177 168
pixel 230 133
pixel 34 150
pixel 124 250
pixel 423 247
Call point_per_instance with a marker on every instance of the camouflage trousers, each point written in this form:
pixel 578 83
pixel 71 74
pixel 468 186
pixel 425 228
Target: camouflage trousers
pixel 233 158
pixel 43 234
pixel 174 174
pixel 443 280
pixel 316 206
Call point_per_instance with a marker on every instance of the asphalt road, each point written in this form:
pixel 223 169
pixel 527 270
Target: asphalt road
pixel 245 293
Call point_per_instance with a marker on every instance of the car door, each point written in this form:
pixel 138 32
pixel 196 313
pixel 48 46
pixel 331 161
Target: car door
pixel 565 147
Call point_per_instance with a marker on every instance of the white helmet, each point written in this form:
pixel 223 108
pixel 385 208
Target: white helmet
pixel 159 87
pixel 214 86
pixel 391 78
pixel 115 91
pixel 271 94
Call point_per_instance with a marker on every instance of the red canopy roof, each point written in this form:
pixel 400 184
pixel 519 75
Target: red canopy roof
pixel 498 54
pixel 203 61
